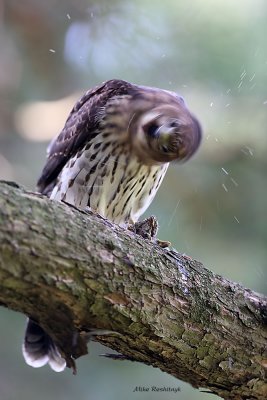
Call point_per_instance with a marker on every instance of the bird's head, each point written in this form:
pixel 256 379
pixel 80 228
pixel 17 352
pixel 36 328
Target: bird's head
pixel 165 133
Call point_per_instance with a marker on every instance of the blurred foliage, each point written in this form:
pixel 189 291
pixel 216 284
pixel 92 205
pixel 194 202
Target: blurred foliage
pixel 213 208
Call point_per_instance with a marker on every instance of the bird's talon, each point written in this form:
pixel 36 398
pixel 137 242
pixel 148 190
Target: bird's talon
pixel 147 229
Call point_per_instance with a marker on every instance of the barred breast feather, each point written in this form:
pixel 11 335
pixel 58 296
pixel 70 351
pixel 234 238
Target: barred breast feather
pixel 112 182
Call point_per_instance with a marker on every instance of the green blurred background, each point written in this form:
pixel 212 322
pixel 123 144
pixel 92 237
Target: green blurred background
pixel 213 208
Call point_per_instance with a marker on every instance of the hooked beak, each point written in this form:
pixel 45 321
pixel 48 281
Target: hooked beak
pixel 165 136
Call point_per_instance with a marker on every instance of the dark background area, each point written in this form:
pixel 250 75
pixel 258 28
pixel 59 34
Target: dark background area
pixel 212 208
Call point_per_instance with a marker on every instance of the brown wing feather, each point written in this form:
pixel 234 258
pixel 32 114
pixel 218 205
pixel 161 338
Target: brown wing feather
pixel 82 124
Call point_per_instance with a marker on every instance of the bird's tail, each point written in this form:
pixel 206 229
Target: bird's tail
pixel 39 349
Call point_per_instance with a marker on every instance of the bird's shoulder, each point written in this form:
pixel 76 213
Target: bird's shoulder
pixel 81 126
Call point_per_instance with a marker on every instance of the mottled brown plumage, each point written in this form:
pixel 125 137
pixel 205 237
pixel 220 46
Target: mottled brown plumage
pixel 111 156
pixel 115 148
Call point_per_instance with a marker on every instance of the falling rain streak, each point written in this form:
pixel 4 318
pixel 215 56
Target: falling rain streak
pixel 224 170
pixel 231 179
pixel 247 151
pixel 225 188
pixel 174 212
pixel 234 181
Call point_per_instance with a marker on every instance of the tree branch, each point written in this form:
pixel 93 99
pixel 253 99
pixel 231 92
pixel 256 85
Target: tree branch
pixel 72 271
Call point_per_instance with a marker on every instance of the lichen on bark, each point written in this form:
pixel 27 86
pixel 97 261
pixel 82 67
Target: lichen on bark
pixel 73 271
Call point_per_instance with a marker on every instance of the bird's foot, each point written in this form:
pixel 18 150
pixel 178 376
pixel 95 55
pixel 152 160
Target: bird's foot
pixel 148 229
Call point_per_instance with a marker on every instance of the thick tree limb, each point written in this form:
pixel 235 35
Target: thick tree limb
pixel 72 271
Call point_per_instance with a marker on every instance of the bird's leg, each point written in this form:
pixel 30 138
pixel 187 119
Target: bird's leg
pixel 148 230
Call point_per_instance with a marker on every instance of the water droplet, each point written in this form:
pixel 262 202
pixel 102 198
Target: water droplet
pixel 224 170
pixel 52 50
pixel 225 188
pixel 249 150
pixel 234 181
pixel 242 76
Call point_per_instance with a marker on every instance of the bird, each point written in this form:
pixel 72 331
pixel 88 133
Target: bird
pixel 111 157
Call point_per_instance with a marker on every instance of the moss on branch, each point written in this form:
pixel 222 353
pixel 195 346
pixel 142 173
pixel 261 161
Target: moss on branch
pixel 72 271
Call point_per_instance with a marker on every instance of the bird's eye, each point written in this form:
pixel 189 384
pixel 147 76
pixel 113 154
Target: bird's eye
pixel 165 149
pixel 151 129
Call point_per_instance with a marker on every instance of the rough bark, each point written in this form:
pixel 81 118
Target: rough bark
pixel 72 271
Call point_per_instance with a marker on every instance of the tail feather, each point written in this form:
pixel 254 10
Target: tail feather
pixel 39 349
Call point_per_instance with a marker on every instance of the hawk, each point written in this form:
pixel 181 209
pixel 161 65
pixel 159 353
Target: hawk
pixel 111 156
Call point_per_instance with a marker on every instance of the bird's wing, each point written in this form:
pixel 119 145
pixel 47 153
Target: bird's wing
pixel 81 126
